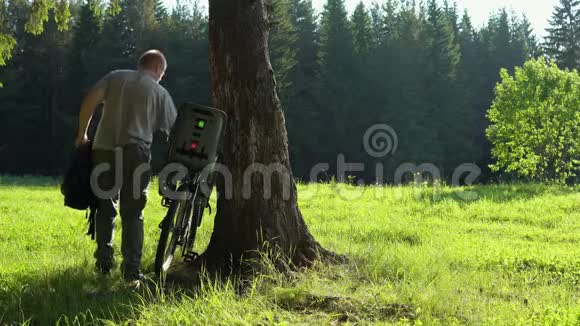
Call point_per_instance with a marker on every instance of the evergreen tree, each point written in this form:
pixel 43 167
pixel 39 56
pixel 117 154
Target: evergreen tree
pixel 34 103
pixel 306 44
pixel 452 15
pixel 281 43
pixel 496 40
pixel 364 112
pixel 302 105
pixel 187 50
pixel 405 107
pixel 389 26
pixel 508 44
pixel 335 38
pixel 362 31
pixel 160 11
pixel 86 33
pixel 336 59
pixel 118 46
pixel 467 34
pixel 472 86
pixel 442 58
pixel 524 39
pixel 563 40
pixel 376 23
pixel 443 50
pixel 127 34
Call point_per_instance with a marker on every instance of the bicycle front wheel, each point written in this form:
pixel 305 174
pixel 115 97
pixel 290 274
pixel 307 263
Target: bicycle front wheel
pixel 171 232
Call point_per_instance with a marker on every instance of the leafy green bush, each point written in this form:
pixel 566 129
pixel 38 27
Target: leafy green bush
pixel 535 122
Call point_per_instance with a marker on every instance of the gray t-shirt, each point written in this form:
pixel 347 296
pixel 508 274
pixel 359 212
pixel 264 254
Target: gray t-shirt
pixel 135 107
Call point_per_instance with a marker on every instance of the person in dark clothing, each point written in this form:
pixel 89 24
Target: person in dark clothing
pixel 135 106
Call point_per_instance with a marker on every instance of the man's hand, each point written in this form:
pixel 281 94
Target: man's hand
pixel 81 140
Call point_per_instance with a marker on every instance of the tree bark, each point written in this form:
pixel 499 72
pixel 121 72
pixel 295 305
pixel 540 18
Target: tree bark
pixel 243 85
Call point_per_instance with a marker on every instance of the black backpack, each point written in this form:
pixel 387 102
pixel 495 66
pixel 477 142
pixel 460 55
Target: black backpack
pixel 76 186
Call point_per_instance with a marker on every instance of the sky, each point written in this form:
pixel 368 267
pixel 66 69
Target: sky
pixel 537 11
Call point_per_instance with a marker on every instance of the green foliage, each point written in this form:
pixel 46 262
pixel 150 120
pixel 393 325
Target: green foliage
pixel 535 122
pixel 39 14
pixel 434 262
pixel 7 41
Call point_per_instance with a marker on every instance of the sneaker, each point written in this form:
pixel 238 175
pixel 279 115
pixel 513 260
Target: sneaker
pixel 136 276
pixel 135 281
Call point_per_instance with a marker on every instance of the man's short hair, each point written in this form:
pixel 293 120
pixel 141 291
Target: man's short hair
pixel 152 58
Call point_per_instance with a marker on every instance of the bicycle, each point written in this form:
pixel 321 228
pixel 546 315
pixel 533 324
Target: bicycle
pixel 194 143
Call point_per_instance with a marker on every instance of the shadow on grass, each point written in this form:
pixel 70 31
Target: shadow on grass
pixel 72 296
pixel 79 296
pixel 29 181
pixel 508 192
pixel 344 309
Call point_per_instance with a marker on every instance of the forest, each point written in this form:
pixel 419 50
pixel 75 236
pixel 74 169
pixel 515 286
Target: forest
pixel 421 68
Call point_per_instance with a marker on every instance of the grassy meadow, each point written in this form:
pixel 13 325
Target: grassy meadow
pixel 488 255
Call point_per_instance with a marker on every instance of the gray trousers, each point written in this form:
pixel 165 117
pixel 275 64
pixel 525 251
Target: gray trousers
pixel 124 183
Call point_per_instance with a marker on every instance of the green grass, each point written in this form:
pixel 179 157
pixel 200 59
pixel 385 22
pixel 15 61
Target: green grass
pixel 510 257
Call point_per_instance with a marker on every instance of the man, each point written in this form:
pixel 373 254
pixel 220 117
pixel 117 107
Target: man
pixel 135 106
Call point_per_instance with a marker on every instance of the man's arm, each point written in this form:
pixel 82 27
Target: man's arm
pixel 88 107
pixel 168 114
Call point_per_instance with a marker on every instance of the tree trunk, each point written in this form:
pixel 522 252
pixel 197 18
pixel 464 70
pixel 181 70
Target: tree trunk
pixel 243 86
